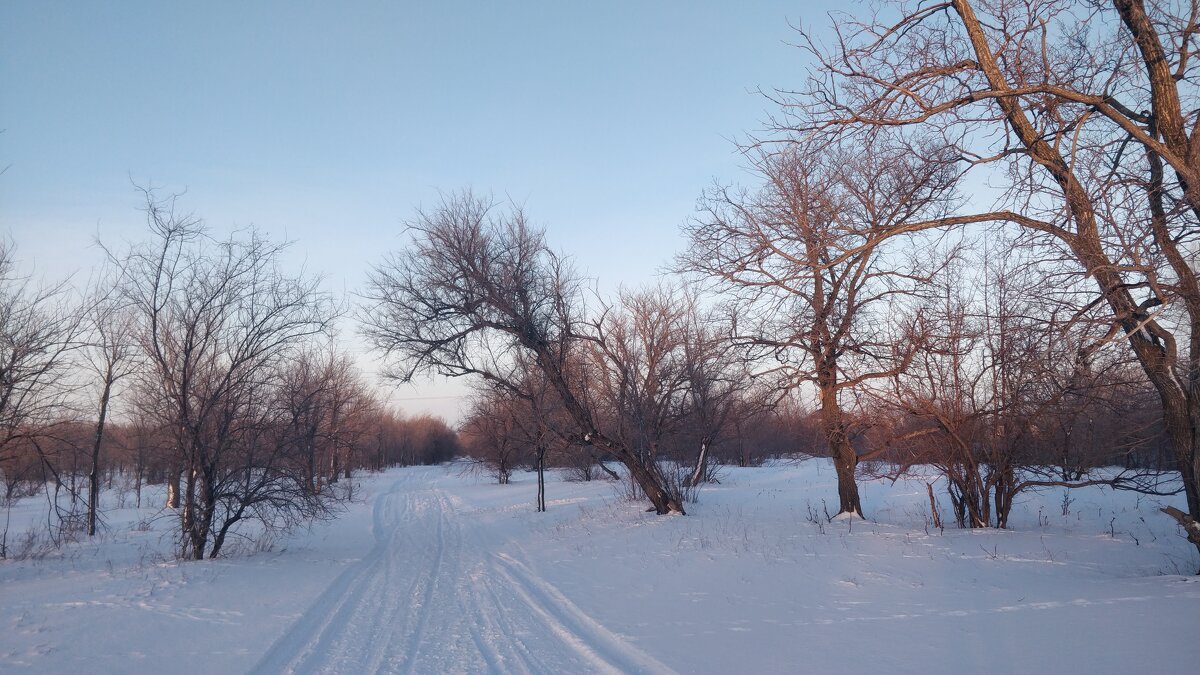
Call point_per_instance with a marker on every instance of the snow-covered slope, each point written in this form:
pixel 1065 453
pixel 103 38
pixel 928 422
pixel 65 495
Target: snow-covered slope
pixel 435 572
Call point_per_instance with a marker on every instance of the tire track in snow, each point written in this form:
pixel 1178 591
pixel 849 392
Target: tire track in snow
pixel 308 638
pixel 434 595
pixel 422 588
pixel 385 623
pixel 606 650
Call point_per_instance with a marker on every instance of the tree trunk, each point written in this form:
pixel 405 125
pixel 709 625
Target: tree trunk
pixel 1004 491
pixel 701 471
pixel 334 458
pixel 933 508
pixel 958 501
pixel 201 522
pixel 94 475
pixel 541 480
pixel 1189 524
pixel 310 468
pixel 334 467
pixel 845 459
pixel 188 513
pixel 172 489
pixel 651 484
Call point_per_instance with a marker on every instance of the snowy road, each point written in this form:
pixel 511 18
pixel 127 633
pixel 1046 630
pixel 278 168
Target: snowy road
pixel 436 594
pixel 435 571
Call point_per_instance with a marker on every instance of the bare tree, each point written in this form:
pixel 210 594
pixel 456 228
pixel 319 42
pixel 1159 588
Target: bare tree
pixel 813 281
pixel 503 430
pixel 969 400
pixel 1092 133
pixel 543 427
pixel 997 374
pixel 475 289
pixel 489 434
pixel 637 375
pixel 216 321
pixel 304 386
pixel 324 407
pixel 38 331
pixel 110 352
pixel 719 386
pixel 351 406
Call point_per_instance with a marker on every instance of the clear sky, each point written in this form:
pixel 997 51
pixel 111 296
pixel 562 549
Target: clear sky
pixel 327 123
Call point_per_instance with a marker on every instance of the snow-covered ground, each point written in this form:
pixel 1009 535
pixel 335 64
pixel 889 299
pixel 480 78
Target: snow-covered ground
pixel 434 572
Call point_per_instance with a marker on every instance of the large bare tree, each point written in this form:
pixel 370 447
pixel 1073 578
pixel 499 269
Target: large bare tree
pixel 1085 114
pixel 479 293
pixel 814 279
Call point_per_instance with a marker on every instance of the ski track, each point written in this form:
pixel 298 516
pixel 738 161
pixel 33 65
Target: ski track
pixel 435 595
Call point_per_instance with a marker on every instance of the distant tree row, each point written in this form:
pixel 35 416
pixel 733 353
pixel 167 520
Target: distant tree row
pixel 231 387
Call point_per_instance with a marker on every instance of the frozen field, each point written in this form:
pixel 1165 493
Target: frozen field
pixel 434 572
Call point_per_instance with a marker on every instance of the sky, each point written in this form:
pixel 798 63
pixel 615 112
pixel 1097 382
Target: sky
pixel 328 124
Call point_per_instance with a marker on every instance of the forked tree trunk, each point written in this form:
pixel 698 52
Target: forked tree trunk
pixel 200 524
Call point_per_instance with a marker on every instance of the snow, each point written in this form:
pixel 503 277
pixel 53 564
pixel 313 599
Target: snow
pixel 433 571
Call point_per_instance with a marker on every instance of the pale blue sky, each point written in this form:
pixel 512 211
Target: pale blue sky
pixel 328 122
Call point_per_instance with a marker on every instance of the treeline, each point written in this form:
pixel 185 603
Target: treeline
pixel 1117 426
pixel 227 374
pixel 134 456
